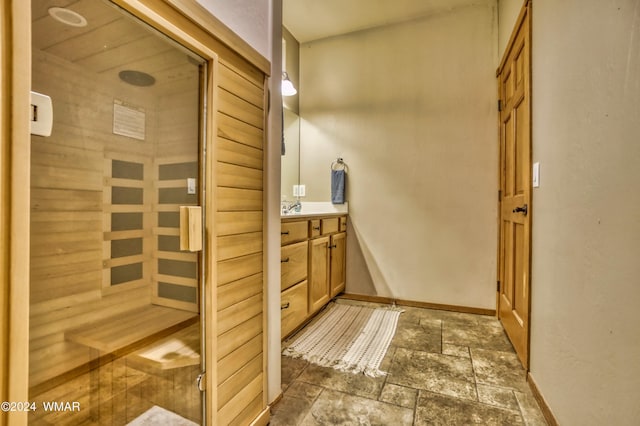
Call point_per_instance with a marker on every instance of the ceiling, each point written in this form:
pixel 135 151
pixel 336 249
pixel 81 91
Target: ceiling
pixel 110 42
pixel 310 20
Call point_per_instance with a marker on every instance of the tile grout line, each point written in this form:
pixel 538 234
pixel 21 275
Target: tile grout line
pixel 475 377
pixel 415 407
pixel 524 418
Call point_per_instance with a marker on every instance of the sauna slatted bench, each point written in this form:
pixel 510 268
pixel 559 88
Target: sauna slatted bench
pixel 126 329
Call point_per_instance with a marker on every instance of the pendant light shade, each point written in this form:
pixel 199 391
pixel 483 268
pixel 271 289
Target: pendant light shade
pixel 287 85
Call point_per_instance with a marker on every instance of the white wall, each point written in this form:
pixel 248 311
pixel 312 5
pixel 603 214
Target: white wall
pixel 250 19
pixel 411 108
pixel 272 205
pixel 585 341
pixel 508 11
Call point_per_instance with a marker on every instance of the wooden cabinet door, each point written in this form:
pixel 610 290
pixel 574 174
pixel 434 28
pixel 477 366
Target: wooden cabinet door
pixel 515 186
pixel 338 262
pixel 293 264
pixel 293 308
pixel 318 273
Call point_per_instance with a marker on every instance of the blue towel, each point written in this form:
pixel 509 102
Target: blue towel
pixel 337 186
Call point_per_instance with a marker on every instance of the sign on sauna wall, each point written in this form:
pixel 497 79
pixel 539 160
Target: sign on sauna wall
pixel 128 120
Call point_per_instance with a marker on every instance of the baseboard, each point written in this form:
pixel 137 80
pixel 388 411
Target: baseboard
pixel 263 418
pixel 276 400
pixel 415 304
pixel 544 407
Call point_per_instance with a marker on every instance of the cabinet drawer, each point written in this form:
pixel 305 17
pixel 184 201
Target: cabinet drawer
pixel 314 228
pixel 343 224
pixel 328 226
pixel 293 308
pixel 293 264
pixel 291 232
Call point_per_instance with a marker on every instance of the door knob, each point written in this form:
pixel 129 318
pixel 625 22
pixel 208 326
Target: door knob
pixel 523 209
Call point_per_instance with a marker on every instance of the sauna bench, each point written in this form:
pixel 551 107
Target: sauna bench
pixel 180 349
pixel 117 332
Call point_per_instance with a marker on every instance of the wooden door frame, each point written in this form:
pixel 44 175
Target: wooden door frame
pixel 15 52
pixel 187 22
pixel 525 14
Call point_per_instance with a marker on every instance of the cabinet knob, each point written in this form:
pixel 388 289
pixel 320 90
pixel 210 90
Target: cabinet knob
pixel 284 306
pixel 284 233
pixel 284 260
pixel 316 228
pixel 333 246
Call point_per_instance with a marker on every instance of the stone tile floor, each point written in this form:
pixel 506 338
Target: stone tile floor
pixel 444 368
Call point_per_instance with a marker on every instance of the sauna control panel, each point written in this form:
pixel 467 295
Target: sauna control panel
pixel 41 114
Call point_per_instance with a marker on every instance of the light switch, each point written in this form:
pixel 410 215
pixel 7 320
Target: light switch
pixel 191 186
pixel 536 175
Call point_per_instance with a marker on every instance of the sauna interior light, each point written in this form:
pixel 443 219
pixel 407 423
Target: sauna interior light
pixel 67 16
pixel 287 86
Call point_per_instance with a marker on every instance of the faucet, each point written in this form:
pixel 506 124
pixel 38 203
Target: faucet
pixel 287 208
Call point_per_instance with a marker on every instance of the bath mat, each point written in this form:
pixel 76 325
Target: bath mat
pixel 348 338
pixel 159 416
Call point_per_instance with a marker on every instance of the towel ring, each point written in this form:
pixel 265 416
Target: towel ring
pixel 339 164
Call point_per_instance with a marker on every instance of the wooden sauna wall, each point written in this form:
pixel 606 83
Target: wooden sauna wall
pixel 175 273
pixel 239 225
pixel 67 211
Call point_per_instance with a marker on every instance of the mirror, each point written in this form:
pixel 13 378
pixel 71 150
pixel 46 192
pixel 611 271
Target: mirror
pixel 290 161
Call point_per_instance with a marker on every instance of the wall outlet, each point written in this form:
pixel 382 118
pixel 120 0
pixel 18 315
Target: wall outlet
pixel 299 190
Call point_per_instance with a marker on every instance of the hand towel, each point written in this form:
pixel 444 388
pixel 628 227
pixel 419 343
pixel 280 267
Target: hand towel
pixel 337 186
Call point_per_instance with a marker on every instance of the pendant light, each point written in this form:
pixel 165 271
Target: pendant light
pixel 287 85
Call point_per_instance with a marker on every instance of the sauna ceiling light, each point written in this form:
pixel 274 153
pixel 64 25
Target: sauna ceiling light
pixel 67 16
pixel 136 78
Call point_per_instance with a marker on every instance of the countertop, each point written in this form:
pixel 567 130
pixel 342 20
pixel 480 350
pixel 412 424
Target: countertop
pixel 317 209
pixel 303 215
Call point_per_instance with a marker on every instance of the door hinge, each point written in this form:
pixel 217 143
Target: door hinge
pixel 201 381
pixel 499 105
pixel 498 286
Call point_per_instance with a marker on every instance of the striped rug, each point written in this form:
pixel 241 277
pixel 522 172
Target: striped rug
pixel 348 338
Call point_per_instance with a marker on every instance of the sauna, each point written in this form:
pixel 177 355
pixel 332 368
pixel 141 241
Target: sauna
pixel 131 261
pixel 115 300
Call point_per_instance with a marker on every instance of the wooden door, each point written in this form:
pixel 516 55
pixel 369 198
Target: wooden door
pixel 318 273
pixel 338 257
pixel 514 82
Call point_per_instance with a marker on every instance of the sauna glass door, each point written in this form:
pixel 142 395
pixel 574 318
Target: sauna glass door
pixel 115 317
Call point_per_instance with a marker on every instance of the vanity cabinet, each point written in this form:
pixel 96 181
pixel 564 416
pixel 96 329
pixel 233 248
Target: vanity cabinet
pixel 313 265
pixel 319 293
pixel 294 267
pixel 293 264
pixel 293 307
pixel 338 250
